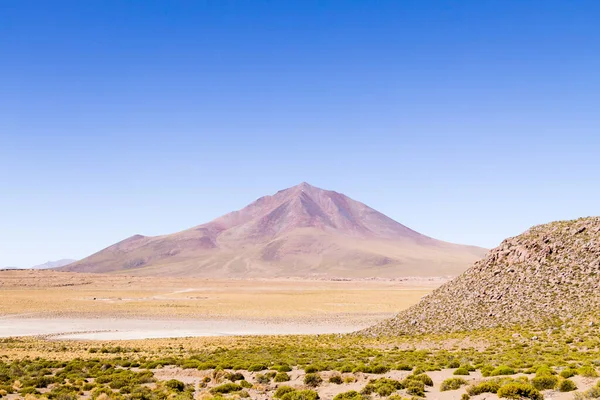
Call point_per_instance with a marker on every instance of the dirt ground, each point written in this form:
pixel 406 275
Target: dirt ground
pixel 92 306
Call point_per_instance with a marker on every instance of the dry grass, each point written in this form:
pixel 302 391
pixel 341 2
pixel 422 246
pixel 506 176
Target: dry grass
pixel 61 294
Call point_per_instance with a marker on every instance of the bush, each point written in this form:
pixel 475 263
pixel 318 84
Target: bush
pixel 568 373
pixel 461 371
pixel 423 378
pixel 416 388
pixel 385 390
pixel 587 371
pixel 257 367
pixel 281 390
pixel 483 387
pixel 337 379
pixel 312 380
pixel 351 395
pixel 544 382
pixel 518 391
pixel 263 379
pixel 502 370
pixel 379 369
pixel 465 397
pixel 281 377
pixel 282 368
pixel 453 364
pixel 452 384
pixel 236 376
pixel 245 384
pixel 176 385
pixel 567 385
pixel 310 369
pixel 301 395
pixel 226 388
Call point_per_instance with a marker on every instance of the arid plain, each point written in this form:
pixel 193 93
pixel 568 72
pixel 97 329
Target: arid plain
pixel 121 307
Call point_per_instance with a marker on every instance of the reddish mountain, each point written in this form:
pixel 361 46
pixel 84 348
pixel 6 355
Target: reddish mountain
pixel 301 231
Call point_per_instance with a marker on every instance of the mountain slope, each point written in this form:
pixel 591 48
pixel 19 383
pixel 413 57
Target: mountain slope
pixel 301 231
pixel 549 273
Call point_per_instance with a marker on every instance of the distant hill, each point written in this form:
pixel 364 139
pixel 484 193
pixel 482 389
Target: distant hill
pixel 54 264
pixel 548 275
pixel 302 231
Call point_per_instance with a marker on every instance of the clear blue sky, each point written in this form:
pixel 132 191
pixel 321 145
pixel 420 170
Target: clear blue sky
pixel 468 121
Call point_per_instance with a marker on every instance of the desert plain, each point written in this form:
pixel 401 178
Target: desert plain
pixel 104 306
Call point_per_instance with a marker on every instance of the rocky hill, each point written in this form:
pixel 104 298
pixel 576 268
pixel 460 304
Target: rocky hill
pixel 550 273
pixel 302 231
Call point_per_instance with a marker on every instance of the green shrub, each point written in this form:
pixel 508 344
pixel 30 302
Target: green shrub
pixel 281 377
pixel 226 388
pixel 587 371
pixel 310 369
pixel 544 382
pixel 452 384
pixel 257 367
pixel 379 369
pixel 281 390
pixel 236 376
pixel 461 371
pixel 282 368
pixel 423 378
pixel 385 390
pixel 518 391
pixel 263 379
pixel 567 385
pixel 312 380
pixel 453 364
pixel 502 370
pixel 351 395
pixel 465 397
pixel 337 379
pixel 175 385
pixel 483 387
pixel 568 373
pixel 301 395
pixel 415 387
pixel 245 384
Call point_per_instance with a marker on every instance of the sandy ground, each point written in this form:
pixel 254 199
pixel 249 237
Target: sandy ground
pixel 91 306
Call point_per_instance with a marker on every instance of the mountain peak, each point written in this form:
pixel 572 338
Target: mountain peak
pixel 301 230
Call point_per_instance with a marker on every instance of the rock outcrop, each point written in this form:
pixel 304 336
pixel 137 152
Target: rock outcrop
pixel 549 274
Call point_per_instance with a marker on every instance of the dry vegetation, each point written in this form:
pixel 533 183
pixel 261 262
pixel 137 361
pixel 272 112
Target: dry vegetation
pixel 63 294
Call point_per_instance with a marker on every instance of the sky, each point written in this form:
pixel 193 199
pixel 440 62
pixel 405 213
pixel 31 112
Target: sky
pixel 468 121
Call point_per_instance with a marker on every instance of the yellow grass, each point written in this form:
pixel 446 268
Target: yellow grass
pixel 52 294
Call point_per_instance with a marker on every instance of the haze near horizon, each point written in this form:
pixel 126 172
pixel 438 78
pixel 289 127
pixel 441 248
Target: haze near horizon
pixel 465 121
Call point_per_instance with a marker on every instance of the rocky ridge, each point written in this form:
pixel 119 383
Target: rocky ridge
pixel 549 274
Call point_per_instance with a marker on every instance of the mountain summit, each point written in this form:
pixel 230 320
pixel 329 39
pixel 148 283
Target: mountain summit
pixel 302 231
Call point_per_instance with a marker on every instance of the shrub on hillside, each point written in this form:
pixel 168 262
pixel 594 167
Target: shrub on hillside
pixel 301 395
pixel 461 371
pixel 281 390
pixel 544 382
pixel 502 370
pixel 312 380
pixel 567 385
pixel 568 373
pixel 351 395
pixel 587 371
pixel 452 384
pixel 226 388
pixel 518 391
pixel 483 387
pixel 281 377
